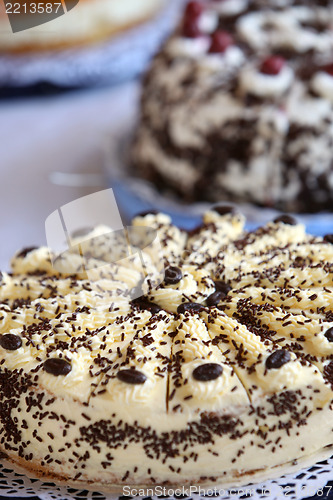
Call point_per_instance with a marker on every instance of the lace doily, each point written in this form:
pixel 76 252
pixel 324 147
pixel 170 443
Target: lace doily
pixel 302 484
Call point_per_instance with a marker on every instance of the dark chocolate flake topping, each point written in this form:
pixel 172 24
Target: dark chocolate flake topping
pixel 277 359
pixel 207 372
pixel 172 275
pixel 57 366
pixel 10 342
pixel 131 376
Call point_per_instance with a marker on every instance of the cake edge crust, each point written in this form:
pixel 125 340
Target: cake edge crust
pixel 240 479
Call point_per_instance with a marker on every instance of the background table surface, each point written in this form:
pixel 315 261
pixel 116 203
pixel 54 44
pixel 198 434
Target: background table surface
pixel 42 135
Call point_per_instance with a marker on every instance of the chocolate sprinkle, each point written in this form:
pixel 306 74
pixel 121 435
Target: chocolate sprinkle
pixel 10 342
pixel 172 275
pixel 131 376
pixel 277 359
pixel 328 373
pixel 207 372
pixel 168 444
pixel 57 366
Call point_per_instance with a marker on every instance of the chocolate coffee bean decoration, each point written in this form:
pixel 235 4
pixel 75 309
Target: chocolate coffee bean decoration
pixel 23 253
pixel 329 334
pixel 145 305
pixel 147 212
pixel 277 359
pixel 328 238
pixel 223 287
pixel 57 366
pixel 286 219
pixel 207 372
pixel 224 209
pixel 10 342
pixel 190 307
pixel 131 376
pixel 214 298
pixel 172 275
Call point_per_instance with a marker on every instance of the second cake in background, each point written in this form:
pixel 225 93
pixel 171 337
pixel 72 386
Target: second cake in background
pixel 238 105
pixel 90 22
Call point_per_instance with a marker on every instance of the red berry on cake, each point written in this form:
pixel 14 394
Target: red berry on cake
pixel 273 65
pixel 328 69
pixel 192 13
pixel 191 28
pixel 193 10
pixel 221 40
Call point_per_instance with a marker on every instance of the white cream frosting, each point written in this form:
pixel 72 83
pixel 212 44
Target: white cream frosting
pixel 285 30
pixel 322 83
pixel 191 47
pixel 252 81
pixel 306 110
pixel 208 21
pixel 231 59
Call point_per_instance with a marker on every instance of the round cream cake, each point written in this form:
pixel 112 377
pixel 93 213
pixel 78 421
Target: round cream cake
pixel 238 105
pixel 89 21
pixel 219 373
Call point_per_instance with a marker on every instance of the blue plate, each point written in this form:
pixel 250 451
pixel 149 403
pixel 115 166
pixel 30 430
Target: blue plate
pixel 135 196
